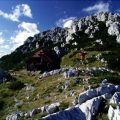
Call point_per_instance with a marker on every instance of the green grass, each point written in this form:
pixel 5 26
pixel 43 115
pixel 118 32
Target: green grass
pixel 48 87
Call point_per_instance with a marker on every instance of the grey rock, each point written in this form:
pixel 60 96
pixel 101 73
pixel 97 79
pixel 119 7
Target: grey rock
pixel 102 90
pixel 35 111
pixel 115 98
pixel 91 107
pixel 53 108
pixel 113 114
pixel 114 29
pixel 107 96
pixel 66 84
pixel 83 97
pixel 110 88
pixel 15 116
pixel 73 113
pixel 86 111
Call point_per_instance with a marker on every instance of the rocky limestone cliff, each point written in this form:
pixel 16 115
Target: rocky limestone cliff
pixel 89 24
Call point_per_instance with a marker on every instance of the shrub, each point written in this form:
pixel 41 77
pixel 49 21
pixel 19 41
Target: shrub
pixel 60 90
pixel 114 105
pixel 64 105
pixel 91 59
pixel 111 79
pixel 1 104
pixel 5 93
pixel 42 115
pixel 15 85
pixel 19 106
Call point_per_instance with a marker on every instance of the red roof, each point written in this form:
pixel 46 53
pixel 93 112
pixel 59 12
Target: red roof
pixel 38 53
pixel 41 53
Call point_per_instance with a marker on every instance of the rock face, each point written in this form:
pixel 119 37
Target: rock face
pixel 86 111
pixel 90 25
pixel 69 114
pixel 56 35
pixel 83 97
pixel 62 36
pixel 4 76
pixel 91 107
pixel 102 90
pixel 114 29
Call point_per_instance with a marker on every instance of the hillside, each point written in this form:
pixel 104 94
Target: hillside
pixel 77 84
pixel 99 32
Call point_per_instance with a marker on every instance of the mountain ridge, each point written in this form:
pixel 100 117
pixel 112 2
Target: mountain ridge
pixel 91 26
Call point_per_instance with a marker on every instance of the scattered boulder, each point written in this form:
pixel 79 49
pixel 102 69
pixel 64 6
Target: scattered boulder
pixel 29 87
pixel 35 111
pixel 15 116
pixel 66 84
pixel 43 109
pixel 86 111
pixel 77 81
pixel 72 72
pixel 53 108
pixel 75 102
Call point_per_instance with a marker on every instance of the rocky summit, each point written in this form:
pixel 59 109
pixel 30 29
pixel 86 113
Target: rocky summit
pixel 85 86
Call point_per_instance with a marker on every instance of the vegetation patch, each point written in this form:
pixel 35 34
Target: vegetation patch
pixel 16 85
pixel 64 105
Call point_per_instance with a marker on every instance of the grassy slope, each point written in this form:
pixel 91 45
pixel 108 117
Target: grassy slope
pixel 45 86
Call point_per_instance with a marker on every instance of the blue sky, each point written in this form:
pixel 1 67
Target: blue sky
pixel 22 18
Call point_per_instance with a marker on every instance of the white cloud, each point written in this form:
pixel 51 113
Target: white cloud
pixel 1 33
pixel 5 46
pixel 20 10
pixel 98 7
pixel 2 53
pixel 30 27
pixel 1 39
pixel 65 22
pixel 25 30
